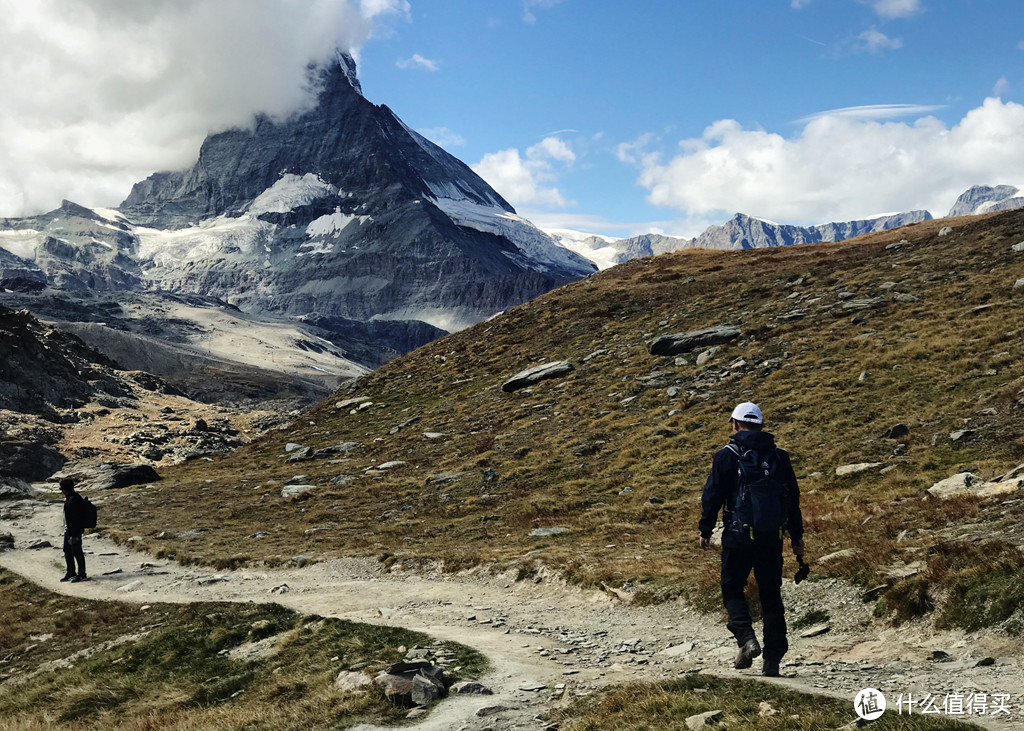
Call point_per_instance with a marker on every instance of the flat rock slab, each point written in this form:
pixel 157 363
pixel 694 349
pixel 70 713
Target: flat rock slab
pixel 687 341
pixel 536 374
pixel 106 475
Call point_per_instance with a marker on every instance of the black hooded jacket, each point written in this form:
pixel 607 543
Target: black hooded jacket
pixel 720 489
pixel 74 514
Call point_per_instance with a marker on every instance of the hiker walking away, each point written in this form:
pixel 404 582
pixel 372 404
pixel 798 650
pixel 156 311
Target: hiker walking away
pixel 75 522
pixel 753 483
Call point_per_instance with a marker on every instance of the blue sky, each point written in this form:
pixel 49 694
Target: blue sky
pixel 620 88
pixel 595 115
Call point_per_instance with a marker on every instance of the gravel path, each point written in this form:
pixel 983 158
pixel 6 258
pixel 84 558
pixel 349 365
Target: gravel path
pixel 547 642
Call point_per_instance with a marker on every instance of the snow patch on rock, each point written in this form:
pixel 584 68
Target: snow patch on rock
pixel 290 192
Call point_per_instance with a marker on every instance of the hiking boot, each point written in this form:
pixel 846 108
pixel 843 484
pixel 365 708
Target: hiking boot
pixel 86 578
pixel 68 577
pixel 770 669
pixel 748 652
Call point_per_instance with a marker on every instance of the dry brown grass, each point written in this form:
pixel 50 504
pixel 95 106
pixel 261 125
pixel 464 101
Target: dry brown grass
pixel 565 452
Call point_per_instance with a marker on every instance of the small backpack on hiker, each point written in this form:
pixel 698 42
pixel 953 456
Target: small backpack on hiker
pixel 762 504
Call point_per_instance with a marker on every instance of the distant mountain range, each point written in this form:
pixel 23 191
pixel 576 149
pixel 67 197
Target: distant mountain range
pixel 747 232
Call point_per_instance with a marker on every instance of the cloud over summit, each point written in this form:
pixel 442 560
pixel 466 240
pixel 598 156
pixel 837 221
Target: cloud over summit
pixel 100 94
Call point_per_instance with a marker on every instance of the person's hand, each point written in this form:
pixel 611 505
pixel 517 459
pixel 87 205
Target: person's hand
pixel 798 549
pixel 704 543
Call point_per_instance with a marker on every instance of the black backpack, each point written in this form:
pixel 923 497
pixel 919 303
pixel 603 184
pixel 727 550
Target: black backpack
pixel 88 513
pixel 762 504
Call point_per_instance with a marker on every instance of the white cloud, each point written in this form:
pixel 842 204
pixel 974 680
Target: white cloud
pixel 522 179
pixel 528 7
pixel 885 8
pixel 416 61
pixel 841 168
pixel 99 95
pixel 876 111
pixel 1001 87
pixel 896 8
pixel 443 136
pixel 875 41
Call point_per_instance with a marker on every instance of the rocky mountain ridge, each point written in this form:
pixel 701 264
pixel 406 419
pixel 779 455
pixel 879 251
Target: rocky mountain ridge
pixel 749 232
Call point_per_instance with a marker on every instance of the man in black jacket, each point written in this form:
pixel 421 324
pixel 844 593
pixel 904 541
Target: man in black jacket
pixel 743 549
pixel 74 527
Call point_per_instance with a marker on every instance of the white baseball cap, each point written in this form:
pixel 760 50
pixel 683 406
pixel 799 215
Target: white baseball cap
pixel 748 411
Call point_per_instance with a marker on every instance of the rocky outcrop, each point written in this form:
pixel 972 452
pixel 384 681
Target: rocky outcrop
pixel 687 341
pixel 537 374
pixel 28 461
pixel 106 475
pixel 46 371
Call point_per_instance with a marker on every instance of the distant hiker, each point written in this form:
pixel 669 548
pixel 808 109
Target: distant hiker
pixel 753 481
pixel 76 520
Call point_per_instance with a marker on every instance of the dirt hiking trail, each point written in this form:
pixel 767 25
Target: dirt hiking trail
pixel 547 642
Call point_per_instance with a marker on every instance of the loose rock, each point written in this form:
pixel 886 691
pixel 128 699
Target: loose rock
pixel 687 341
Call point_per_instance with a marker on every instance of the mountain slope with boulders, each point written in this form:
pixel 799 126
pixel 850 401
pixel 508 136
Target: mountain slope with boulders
pixel 884 365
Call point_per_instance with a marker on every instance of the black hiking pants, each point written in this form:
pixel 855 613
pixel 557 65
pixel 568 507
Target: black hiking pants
pixel 764 557
pixel 73 552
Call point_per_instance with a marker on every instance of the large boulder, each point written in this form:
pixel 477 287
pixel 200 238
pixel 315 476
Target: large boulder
pixel 28 461
pixel 11 488
pixel 106 475
pixel 687 341
pixel 965 483
pixel 536 374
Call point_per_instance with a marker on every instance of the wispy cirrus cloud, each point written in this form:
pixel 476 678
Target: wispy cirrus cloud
pixel 443 136
pixel 530 5
pixel 416 62
pixel 884 8
pixel 875 41
pixel 875 112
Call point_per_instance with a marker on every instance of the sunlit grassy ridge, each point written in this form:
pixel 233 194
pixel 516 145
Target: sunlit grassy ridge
pixel 168 666
pixel 839 343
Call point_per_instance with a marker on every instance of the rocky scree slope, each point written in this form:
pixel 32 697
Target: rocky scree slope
pixel 597 473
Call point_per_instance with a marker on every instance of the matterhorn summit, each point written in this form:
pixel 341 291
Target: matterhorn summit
pixel 341 211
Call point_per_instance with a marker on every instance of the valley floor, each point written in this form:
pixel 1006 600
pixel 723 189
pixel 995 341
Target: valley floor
pixel 549 643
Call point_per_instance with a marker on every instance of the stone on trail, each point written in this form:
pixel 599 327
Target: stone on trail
pixel 816 630
pixel 470 687
pixel 897 431
pixel 686 341
pixel 536 374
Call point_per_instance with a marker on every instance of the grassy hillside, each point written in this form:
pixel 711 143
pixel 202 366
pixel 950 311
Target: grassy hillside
pixel 839 343
pixel 75 663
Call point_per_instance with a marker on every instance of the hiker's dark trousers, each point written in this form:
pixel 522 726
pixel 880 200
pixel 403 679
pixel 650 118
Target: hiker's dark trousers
pixel 764 557
pixel 73 552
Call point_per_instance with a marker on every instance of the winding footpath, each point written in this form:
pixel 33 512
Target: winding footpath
pixel 547 642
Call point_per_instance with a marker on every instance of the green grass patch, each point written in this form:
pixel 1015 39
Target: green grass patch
pixel 746 704
pixel 203 665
